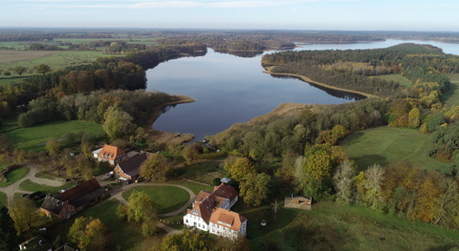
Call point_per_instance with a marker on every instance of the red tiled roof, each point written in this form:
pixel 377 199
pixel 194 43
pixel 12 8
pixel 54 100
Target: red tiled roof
pixel 110 152
pixel 228 219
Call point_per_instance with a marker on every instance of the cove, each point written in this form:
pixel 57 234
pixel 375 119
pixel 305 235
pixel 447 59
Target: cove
pixel 229 89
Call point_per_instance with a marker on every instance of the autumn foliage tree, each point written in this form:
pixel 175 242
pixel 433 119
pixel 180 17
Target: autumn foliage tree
pixel 155 168
pixel 88 234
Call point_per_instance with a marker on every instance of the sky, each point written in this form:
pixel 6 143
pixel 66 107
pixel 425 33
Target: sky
pixel 419 15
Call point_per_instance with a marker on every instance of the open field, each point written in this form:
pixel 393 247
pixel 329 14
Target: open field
pixel 396 78
pixel 55 59
pixel 452 97
pixel 384 145
pixel 28 185
pixel 35 138
pixel 2 199
pixel 330 226
pixel 14 176
pixel 166 198
pixel 10 56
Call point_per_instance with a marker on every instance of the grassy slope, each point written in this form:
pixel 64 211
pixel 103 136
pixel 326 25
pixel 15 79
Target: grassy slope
pixel 167 198
pixel 331 226
pixel 28 185
pixel 34 138
pixel 396 78
pixel 14 176
pixel 386 144
pixel 211 169
pixel 452 98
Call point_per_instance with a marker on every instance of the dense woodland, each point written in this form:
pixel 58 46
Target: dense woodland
pixel 351 69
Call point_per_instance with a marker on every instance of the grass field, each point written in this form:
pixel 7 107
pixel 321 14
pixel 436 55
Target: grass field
pixel 330 226
pixel 34 138
pixel 204 172
pixel 3 199
pixel 14 176
pixel 384 145
pixel 167 198
pixel 396 78
pixel 55 59
pixel 28 185
pixel 452 97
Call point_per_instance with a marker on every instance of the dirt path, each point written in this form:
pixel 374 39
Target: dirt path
pixel 33 170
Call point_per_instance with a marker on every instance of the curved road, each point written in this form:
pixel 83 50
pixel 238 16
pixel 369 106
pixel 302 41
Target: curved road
pixel 119 196
pixel 14 188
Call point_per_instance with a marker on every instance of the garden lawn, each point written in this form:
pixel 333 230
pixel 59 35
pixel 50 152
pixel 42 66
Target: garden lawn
pixel 195 187
pixel 396 78
pixel 14 176
pixel 452 96
pixel 167 198
pixel 331 226
pixel 3 199
pixel 28 185
pixel 35 138
pixel 384 145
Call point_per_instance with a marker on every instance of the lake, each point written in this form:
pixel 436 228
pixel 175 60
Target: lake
pixel 230 89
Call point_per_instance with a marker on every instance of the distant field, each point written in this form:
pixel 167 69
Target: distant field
pixel 167 198
pixel 204 172
pixel 396 78
pixel 55 59
pixel 384 145
pixel 34 138
pixel 453 95
pixel 330 226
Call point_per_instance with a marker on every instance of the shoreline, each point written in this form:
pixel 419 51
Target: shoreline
pixel 310 81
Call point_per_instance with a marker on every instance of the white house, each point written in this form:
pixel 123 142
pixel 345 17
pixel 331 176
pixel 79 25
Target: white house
pixel 211 213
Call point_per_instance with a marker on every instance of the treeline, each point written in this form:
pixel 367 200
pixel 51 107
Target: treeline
pixel 126 73
pixel 92 107
pixel 279 135
pixel 350 68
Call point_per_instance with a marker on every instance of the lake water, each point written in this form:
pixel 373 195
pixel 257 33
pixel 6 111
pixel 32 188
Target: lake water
pixel 230 89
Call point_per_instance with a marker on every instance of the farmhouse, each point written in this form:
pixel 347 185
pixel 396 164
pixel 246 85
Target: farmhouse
pixel 65 205
pixel 211 213
pixel 108 153
pixel 129 167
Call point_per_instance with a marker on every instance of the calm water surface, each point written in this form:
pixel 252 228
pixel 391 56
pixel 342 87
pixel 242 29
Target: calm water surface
pixel 230 89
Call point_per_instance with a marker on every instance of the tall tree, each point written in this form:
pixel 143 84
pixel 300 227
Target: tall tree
pixel 155 168
pixel 9 240
pixel 25 215
pixel 118 123
pixel 254 188
pixel 344 182
pixel 88 234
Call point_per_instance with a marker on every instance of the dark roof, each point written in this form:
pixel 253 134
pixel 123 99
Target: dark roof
pixel 225 191
pixel 79 191
pixel 131 166
pixel 52 204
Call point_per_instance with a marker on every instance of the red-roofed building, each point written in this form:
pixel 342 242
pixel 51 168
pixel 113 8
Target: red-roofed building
pixel 211 213
pixel 108 153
